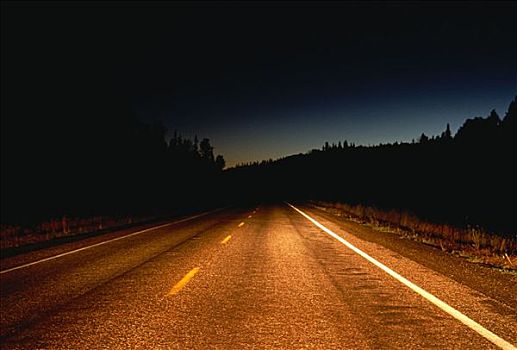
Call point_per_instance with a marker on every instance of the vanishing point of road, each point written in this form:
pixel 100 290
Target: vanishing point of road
pixel 255 277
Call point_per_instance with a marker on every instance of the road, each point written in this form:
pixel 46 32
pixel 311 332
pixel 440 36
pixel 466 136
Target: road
pixel 252 277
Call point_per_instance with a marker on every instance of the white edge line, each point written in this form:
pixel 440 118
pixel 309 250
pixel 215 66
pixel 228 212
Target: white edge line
pixel 503 344
pixel 109 241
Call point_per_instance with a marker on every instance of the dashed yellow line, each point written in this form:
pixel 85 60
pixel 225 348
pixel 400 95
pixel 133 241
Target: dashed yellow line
pixel 183 282
pixel 224 241
pixel 241 224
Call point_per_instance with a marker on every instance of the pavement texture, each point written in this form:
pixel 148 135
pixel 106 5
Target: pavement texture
pixel 260 277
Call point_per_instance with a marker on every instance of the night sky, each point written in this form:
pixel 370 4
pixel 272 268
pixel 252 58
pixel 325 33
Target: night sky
pixel 261 81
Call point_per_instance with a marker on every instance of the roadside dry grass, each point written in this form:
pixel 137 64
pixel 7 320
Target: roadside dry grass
pixel 470 243
pixel 12 236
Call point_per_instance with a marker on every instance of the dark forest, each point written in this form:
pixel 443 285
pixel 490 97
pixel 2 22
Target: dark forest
pixel 466 179
pixel 125 167
pixel 114 167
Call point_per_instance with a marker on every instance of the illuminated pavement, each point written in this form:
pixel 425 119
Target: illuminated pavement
pixel 248 278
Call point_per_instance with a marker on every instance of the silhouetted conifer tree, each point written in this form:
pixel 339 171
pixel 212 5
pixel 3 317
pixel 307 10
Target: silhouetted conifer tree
pixel 196 145
pixel 206 150
pixel 423 138
pixel 447 135
pixel 220 162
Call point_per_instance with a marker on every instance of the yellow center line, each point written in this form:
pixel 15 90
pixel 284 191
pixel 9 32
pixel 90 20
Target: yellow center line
pixel 241 224
pixel 178 286
pixel 224 241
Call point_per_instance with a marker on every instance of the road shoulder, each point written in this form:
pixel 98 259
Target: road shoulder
pixel 494 283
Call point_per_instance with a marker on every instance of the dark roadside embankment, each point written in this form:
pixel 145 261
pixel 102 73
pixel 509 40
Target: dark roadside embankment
pixel 15 239
pixel 57 236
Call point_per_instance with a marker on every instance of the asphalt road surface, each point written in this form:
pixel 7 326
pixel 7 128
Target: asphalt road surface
pixel 253 277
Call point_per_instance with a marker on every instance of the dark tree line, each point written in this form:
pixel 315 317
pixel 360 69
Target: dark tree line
pixel 104 165
pixel 114 165
pixel 464 179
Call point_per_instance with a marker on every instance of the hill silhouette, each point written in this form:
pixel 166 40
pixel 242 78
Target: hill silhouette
pixel 114 165
pixel 466 179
